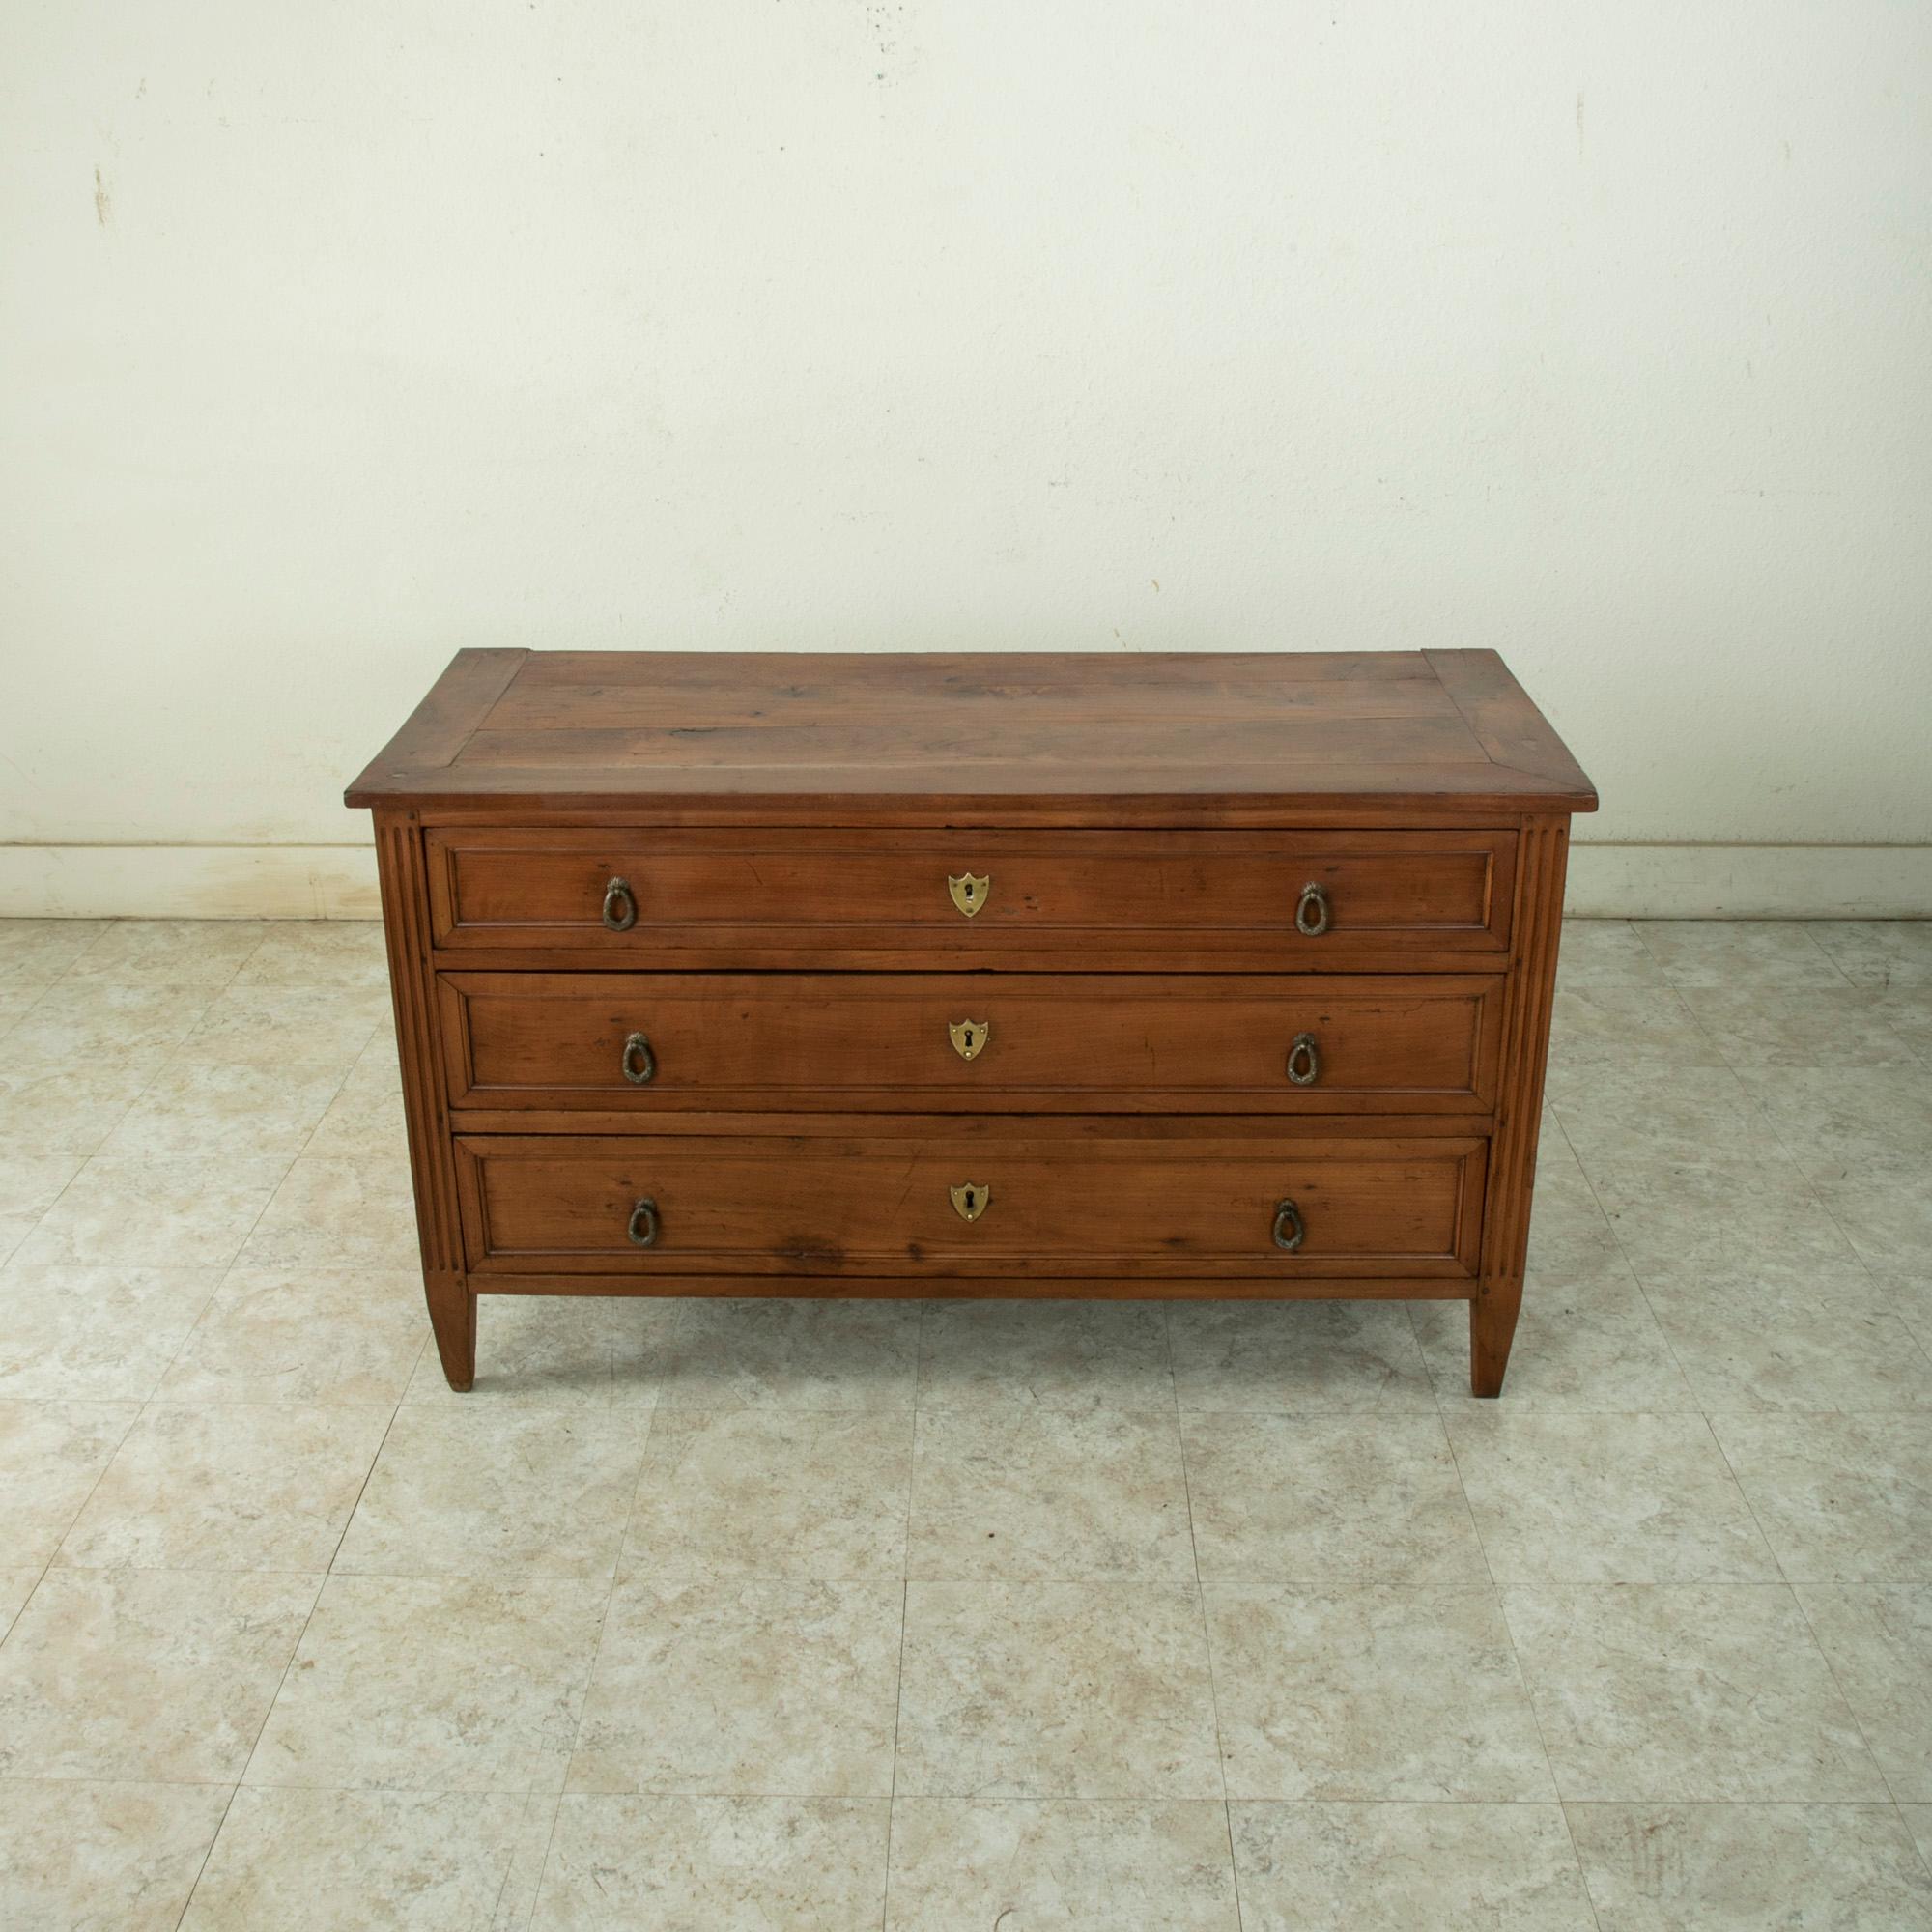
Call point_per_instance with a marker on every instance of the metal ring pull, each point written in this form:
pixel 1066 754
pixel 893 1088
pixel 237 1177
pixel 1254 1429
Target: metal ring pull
pixel 641 1064
pixel 620 906
pixel 1288 1232
pixel 1304 1061
pixel 643 1224
pixel 1311 911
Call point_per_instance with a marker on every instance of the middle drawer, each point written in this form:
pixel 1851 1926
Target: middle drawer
pixel 984 1043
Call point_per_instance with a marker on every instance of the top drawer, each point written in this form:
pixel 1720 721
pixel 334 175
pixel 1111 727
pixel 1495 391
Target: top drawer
pixel 1284 900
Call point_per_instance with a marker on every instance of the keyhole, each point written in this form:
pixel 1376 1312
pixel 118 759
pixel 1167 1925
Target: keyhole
pixel 968 1040
pixel 969 889
pixel 969 1197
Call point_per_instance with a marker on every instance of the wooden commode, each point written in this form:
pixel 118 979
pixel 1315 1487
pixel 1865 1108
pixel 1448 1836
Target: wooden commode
pixel 1002 975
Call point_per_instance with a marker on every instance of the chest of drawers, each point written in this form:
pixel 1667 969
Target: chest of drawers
pixel 1001 975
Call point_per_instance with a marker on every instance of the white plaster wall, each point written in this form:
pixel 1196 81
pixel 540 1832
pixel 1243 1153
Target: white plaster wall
pixel 333 338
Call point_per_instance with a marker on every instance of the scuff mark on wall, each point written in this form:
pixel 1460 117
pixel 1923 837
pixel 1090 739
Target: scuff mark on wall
pixel 103 199
pixel 885 26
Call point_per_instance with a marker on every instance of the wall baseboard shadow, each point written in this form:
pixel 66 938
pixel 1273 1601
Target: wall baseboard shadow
pixel 1749 882
pixel 1607 881
pixel 188 882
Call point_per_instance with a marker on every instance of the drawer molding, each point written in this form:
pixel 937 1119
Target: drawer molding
pixel 878 1197
pixel 562 1043
pixel 1093 974
pixel 1175 898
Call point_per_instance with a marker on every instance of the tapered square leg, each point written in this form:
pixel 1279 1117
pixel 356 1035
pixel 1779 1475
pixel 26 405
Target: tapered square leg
pixel 1542 850
pixel 1492 1329
pixel 452 1315
pixel 452 1307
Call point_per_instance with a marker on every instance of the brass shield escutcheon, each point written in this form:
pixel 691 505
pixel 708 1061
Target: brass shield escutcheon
pixel 969 1202
pixel 969 891
pixel 969 1036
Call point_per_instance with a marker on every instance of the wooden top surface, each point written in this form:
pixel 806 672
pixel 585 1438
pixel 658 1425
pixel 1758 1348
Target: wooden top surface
pixel 855 736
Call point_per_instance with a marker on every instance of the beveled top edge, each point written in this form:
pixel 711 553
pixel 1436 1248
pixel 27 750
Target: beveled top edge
pixel 1514 763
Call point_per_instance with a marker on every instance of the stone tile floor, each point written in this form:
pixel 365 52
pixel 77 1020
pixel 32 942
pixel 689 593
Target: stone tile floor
pixel 954 1617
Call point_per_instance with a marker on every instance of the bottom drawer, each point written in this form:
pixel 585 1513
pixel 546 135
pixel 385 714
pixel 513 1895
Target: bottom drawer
pixel 973 1198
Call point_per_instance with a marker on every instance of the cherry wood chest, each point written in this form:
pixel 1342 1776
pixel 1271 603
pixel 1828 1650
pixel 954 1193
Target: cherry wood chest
pixel 992 975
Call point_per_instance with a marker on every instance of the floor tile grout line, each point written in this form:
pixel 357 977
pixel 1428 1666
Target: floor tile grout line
pixel 1234 1863
pixel 1643 1290
pixel 1744 1495
pixel 1920 1058
pixel 1911 1838
pixel 20 1245
pixel 1710 1425
pixel 1913 1061
pixel 1770 1126
pixel 1832 1671
pixel 1630 1267
pixel 1435 1392
pixel 1570 1830
pixel 225 1268
pixel 60 978
pixel 1310 1583
pixel 175 1054
pixel 1923 1847
pixel 1469 1510
pixel 602 1623
pixel 159 1399
pixel 557 1812
pixel 906 1608
pixel 1516 1657
pixel 108 925
pixel 1792 1154
pixel 1201 1601
pixel 702 1792
pixel 40 993
pixel 1827 952
pixel 1524 1676
pixel 295 1650
pixel 892 1782
pixel 169 1056
pixel 208 1852
pixel 178 1046
pixel 1640 925
pixel 1422 1355
pixel 509 1869
pixel 133 1422
pixel 1194 1550
pixel 221 1273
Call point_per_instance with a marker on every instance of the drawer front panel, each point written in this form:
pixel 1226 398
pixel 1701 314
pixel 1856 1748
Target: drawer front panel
pixel 645 1043
pixel 1311 899
pixel 1075 1203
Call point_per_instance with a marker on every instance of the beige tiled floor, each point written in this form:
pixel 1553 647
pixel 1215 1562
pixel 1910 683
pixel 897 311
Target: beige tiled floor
pixel 937 1618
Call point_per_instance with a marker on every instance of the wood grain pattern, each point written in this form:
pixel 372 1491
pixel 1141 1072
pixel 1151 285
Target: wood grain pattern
pixel 1509 729
pixel 810 1042
pixel 990 1128
pixel 862 738
pixel 787 825
pixel 1492 1315
pixel 878 1202
pixel 452 1306
pixel 1189 896
pixel 1020 1286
